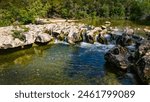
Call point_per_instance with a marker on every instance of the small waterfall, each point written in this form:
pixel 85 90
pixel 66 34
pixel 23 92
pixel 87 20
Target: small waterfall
pixel 96 37
pixel 96 47
pixel 84 36
pixel 56 40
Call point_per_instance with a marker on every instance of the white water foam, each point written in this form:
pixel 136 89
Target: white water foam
pixel 60 42
pixel 96 47
pixel 90 47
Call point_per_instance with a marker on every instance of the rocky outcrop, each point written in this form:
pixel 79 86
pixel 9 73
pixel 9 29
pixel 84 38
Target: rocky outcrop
pixel 122 57
pixel 72 33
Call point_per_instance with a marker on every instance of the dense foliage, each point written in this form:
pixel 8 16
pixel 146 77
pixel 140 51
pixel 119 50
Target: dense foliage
pixel 25 11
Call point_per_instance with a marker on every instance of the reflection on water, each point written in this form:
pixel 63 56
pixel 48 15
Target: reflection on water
pixel 58 64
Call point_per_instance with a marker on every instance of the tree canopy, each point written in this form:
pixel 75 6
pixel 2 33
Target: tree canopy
pixel 25 11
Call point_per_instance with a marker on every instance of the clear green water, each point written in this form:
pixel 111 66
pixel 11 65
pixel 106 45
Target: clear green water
pixel 59 64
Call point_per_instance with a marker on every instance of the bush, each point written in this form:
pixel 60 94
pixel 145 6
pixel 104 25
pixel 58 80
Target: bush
pixel 18 34
pixel 5 18
pixel 64 13
pixel 24 15
pixel 38 9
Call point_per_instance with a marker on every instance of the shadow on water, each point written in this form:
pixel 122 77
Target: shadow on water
pixel 11 50
pixel 86 65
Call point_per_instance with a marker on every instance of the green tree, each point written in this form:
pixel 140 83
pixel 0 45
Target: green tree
pixel 64 13
pixel 105 11
pixel 25 11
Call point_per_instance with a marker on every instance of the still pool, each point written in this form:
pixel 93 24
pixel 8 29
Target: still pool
pixel 60 64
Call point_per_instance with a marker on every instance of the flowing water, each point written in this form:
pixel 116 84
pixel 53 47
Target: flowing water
pixel 59 64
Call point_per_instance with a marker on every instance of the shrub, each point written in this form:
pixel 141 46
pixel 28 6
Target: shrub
pixel 24 15
pixel 18 34
pixel 5 17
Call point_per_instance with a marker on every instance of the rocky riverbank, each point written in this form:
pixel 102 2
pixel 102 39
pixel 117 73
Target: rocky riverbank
pixel 131 51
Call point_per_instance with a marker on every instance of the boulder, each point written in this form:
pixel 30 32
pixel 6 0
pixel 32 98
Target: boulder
pixel 30 37
pixel 146 30
pixel 97 29
pixel 43 38
pixel 6 42
pixel 10 42
pixel 137 39
pixel 61 36
pixel 144 47
pixel 55 34
pixel 124 40
pixel 103 27
pixel 118 56
pixel 17 42
pixel 109 38
pixel 143 68
pixel 89 39
pixel 107 23
pixel 101 39
pixel 129 31
pixel 92 35
pixel 74 36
